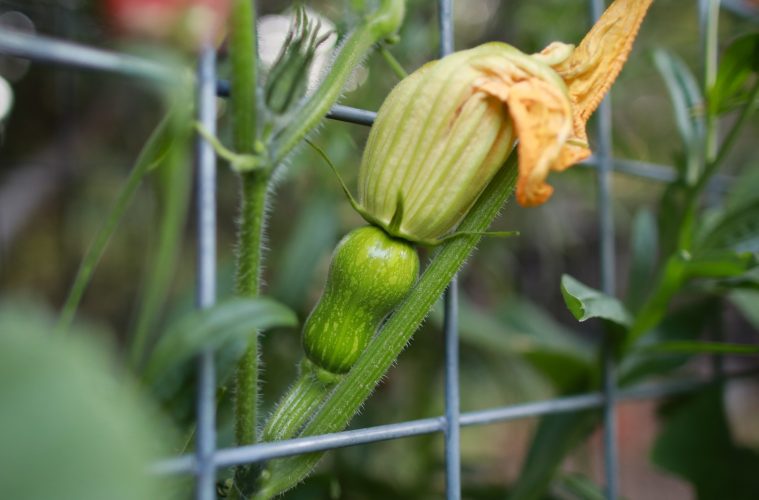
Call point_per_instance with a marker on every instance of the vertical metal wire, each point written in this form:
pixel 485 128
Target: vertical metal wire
pixel 451 322
pixel 206 269
pixel 608 285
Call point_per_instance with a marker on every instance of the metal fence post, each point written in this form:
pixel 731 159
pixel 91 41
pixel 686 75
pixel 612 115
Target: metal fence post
pixel 206 270
pixel 451 320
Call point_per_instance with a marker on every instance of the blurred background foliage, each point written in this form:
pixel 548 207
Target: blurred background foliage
pixel 71 137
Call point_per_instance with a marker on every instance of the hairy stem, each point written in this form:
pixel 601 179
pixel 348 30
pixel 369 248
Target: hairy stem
pixel 244 105
pixel 248 277
pixel 299 403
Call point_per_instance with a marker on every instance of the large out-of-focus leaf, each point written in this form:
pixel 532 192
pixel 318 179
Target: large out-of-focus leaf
pixel 555 436
pixel 644 257
pixel 696 445
pixel 736 64
pixel 687 102
pixel 313 236
pixel 212 328
pixel 70 427
pixel 585 303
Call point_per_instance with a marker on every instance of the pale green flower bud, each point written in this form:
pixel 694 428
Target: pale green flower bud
pixel 443 133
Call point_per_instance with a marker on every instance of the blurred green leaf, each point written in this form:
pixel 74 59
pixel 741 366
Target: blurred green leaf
pixel 585 303
pixel 718 264
pixel 699 347
pixel 695 444
pixel 687 102
pixel 644 257
pixel 737 63
pixel 213 328
pixel 71 428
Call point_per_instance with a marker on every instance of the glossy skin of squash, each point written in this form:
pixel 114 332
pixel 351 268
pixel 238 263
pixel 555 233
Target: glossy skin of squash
pixel 370 273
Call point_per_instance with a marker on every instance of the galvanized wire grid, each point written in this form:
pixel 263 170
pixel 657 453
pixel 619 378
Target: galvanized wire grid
pixel 207 458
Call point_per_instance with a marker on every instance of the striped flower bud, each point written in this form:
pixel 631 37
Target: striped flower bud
pixel 443 133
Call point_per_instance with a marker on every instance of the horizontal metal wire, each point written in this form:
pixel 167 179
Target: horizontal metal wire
pixel 51 50
pixel 265 451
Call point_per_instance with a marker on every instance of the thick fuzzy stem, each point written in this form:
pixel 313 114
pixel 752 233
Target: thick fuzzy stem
pixel 300 403
pixel 254 187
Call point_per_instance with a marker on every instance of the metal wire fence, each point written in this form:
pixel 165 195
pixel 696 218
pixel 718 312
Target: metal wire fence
pixel 208 458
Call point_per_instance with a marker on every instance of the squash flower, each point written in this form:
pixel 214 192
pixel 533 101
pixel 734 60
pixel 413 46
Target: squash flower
pixel 445 130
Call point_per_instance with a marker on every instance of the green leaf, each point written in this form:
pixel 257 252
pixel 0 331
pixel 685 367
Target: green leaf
pixel 71 427
pixel 585 303
pixel 213 328
pixel 718 264
pixel 695 444
pixel 645 243
pixel 687 102
pixel 698 347
pixel 736 65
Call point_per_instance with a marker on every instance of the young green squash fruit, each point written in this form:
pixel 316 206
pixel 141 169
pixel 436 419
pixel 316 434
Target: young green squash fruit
pixel 370 273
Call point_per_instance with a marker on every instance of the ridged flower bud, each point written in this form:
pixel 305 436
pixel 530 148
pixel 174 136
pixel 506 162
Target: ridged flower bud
pixel 443 133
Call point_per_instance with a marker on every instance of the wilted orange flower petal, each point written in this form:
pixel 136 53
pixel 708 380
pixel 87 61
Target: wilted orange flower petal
pixel 592 67
pixel 588 71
